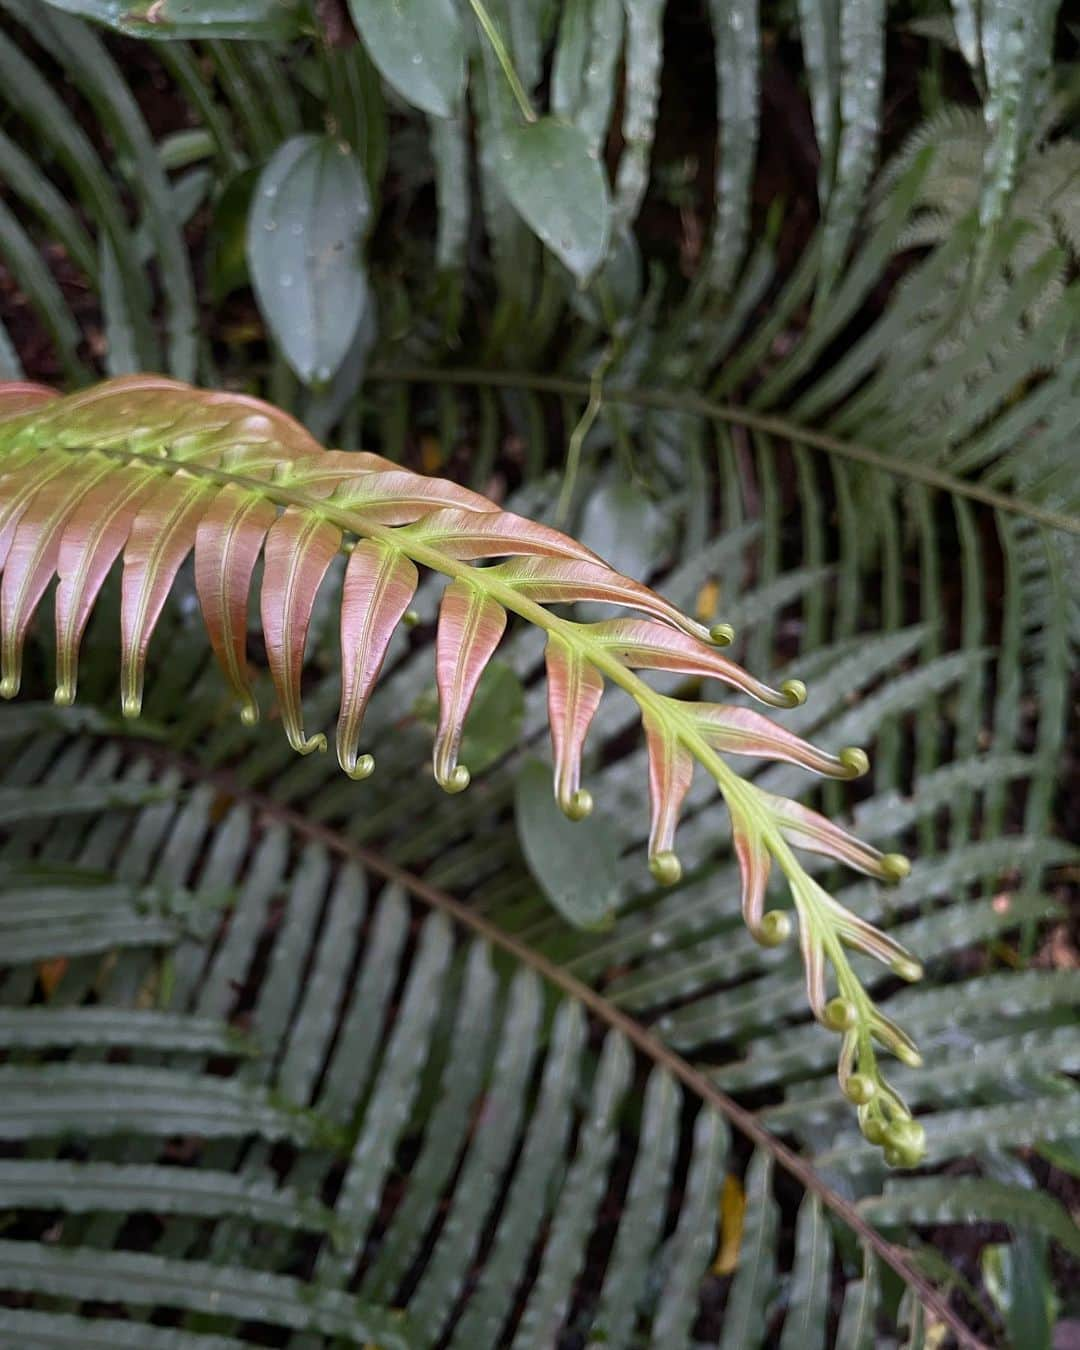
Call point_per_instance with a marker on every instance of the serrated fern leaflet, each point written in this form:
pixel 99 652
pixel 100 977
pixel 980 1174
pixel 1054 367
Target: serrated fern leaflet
pixel 153 470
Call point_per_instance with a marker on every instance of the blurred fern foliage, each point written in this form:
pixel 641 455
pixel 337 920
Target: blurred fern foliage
pixel 294 1060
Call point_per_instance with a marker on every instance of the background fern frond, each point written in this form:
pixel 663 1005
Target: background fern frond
pixel 325 1077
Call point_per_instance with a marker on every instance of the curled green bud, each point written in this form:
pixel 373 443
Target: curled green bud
pixel 64 695
pixel 775 928
pixel 906 1142
pixel 456 781
pixel 363 768
pixel 874 1130
pixel 839 1014
pixel 666 868
pixel 249 713
pixel 895 866
pixel 795 693
pixel 410 618
pixel 722 634
pixel 907 1054
pixel 907 969
pixel 855 761
pixel 860 1089
pixel 579 805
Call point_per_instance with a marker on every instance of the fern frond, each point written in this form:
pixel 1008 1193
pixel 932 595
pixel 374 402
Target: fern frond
pixel 471 1101
pixel 153 468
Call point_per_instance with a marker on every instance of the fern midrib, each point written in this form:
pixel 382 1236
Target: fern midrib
pixel 737 415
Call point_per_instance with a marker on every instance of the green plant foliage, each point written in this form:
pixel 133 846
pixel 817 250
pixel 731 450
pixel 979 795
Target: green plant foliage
pixel 418 47
pixel 559 190
pixel 475 1121
pixel 304 238
pixel 462 1035
pixel 550 169
pixel 153 469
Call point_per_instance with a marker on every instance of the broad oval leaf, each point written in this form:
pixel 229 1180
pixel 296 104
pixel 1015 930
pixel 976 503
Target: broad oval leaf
pixel 559 189
pixel 575 865
pixel 192 18
pixel 418 47
pixel 305 234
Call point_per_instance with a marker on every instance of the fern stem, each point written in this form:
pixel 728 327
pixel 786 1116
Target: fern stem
pixel 737 415
pixel 578 435
pixel 502 55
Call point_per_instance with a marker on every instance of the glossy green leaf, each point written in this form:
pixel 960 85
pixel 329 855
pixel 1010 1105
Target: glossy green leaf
pixel 304 247
pixel 559 189
pixel 419 48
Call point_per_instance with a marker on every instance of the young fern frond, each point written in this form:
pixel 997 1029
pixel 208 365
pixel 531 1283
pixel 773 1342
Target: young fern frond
pixel 153 469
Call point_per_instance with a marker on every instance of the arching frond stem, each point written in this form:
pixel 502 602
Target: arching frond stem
pixel 736 415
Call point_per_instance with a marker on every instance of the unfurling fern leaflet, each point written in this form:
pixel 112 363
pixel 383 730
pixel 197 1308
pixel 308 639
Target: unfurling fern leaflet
pixel 152 469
